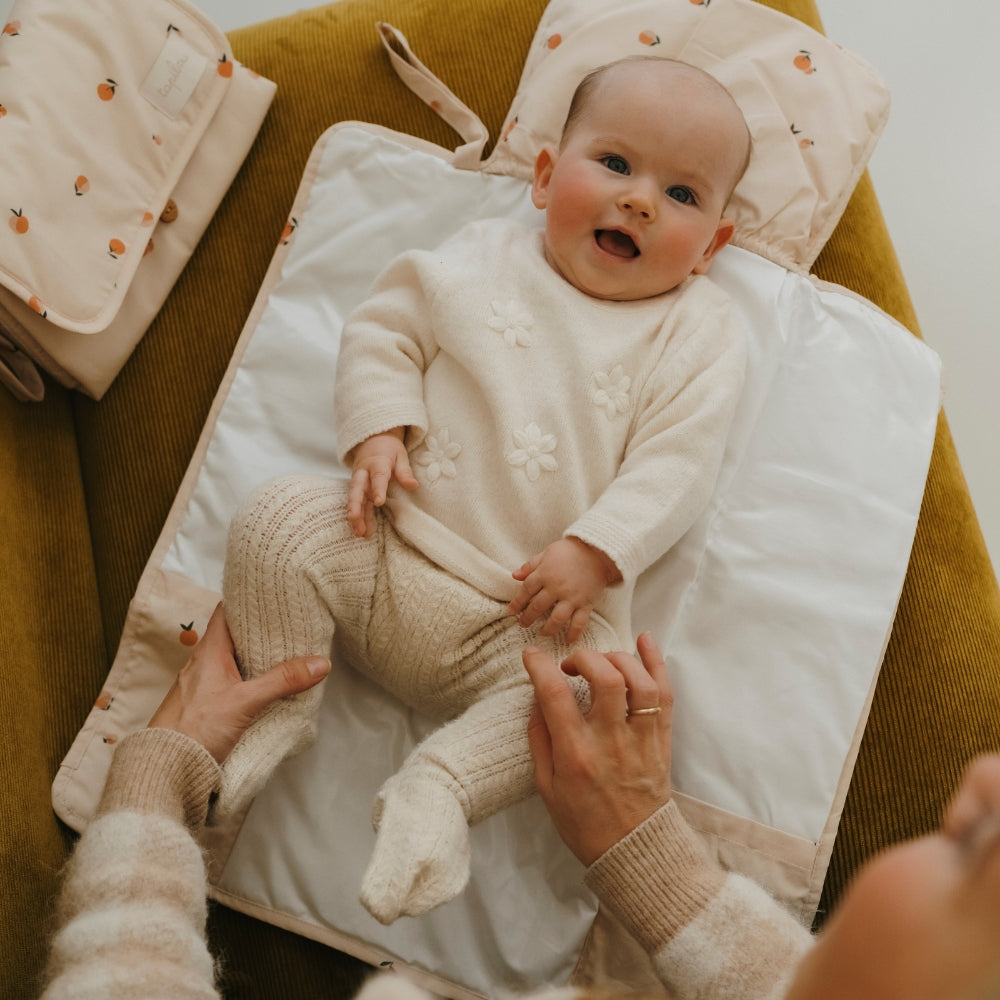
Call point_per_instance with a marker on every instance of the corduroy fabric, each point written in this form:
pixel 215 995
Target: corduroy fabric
pixel 51 655
pixel 85 488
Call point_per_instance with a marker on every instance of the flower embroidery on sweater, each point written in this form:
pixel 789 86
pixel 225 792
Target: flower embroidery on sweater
pixel 610 391
pixel 533 452
pixel 437 457
pixel 512 321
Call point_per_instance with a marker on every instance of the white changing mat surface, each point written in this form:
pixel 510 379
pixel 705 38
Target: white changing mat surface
pixel 774 609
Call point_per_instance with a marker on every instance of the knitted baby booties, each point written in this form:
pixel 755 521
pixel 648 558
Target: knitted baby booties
pixel 468 770
pixel 422 852
pixel 284 729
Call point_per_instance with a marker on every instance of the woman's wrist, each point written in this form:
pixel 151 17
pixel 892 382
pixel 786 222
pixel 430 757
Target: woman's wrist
pixel 657 878
pixel 164 772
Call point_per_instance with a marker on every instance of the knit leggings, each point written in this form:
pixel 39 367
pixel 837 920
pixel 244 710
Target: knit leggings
pixel 294 574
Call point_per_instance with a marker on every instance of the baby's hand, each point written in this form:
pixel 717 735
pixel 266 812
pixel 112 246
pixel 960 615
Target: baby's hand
pixel 565 581
pixel 377 461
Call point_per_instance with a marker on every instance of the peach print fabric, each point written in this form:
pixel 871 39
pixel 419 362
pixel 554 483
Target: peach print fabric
pixel 815 110
pixel 121 127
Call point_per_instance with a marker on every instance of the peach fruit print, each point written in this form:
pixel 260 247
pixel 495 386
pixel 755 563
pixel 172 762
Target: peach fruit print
pixel 81 185
pixel 225 67
pixel 18 221
pixel 649 38
pixel 106 90
pixel 116 248
pixel 803 61
pixel 188 636
pixel 804 141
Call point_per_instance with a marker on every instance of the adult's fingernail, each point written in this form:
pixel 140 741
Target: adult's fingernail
pixel 318 666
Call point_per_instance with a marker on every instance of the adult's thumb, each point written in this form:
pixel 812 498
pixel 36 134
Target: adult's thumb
pixel 286 679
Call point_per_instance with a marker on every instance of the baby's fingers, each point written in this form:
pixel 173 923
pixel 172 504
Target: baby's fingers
pixel 539 603
pixel 526 569
pixel 359 508
pixel 360 512
pixel 379 475
pixel 560 616
pixel 578 625
pixel 520 602
pixel 528 589
pixel 404 473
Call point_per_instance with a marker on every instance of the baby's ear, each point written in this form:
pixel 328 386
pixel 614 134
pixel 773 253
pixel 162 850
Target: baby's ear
pixel 722 236
pixel 544 163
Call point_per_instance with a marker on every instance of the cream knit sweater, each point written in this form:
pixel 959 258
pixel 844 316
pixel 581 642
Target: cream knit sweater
pixel 535 410
pixel 132 909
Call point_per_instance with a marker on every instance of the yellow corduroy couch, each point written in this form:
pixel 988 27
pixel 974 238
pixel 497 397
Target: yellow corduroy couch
pixel 85 487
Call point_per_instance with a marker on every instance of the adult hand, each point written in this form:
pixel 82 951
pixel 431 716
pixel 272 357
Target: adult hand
pixel 375 463
pixel 974 811
pixel 603 772
pixel 210 701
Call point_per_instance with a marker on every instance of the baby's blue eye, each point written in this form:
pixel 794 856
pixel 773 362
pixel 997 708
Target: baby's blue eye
pixel 682 194
pixel 616 163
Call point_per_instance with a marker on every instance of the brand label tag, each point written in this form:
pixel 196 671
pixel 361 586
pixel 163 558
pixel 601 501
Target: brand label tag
pixel 174 76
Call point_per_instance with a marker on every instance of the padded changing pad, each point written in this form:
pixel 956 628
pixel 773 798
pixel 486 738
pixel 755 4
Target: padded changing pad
pixel 774 609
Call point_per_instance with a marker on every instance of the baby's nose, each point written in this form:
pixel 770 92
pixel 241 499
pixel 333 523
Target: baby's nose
pixel 638 203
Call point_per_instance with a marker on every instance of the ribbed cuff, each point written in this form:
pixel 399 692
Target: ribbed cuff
pixel 164 772
pixel 657 879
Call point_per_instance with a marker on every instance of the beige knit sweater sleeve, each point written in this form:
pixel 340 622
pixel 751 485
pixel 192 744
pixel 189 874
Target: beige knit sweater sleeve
pixel 131 914
pixel 132 909
pixel 711 935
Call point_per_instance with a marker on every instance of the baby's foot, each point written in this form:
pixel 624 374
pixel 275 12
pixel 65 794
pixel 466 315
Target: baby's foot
pixel 421 856
pixel 284 729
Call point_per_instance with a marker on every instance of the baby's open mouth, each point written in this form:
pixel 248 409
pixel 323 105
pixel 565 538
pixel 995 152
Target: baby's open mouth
pixel 616 243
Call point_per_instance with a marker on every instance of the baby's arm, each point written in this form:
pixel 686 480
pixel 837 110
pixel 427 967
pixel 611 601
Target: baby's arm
pixel 564 581
pixel 375 463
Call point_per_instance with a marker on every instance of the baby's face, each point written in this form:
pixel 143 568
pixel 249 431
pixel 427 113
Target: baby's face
pixel 634 198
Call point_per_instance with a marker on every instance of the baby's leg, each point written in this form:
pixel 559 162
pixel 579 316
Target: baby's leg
pixel 291 562
pixel 460 774
pixel 472 767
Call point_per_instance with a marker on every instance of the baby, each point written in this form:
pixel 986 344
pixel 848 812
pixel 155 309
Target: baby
pixel 562 396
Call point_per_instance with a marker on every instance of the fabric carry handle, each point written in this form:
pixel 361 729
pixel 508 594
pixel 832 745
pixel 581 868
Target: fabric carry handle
pixel 432 91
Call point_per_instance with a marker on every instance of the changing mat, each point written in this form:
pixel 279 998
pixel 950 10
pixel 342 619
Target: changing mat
pixel 774 609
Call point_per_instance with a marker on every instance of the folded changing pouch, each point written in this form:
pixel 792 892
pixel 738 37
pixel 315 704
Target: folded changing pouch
pixel 122 125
